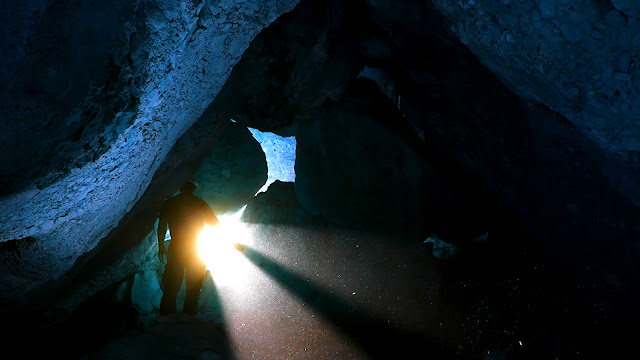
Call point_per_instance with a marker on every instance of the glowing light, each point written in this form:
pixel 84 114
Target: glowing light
pixel 219 247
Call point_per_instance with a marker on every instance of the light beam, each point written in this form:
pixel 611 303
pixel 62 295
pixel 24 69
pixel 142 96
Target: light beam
pixel 219 247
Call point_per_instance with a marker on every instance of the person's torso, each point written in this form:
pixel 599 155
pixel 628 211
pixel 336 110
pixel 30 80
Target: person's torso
pixel 186 217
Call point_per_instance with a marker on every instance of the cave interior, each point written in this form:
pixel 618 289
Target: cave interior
pixel 454 179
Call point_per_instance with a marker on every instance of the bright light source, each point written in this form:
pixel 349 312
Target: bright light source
pixel 216 248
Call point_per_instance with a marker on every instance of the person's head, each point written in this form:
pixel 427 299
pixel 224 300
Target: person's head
pixel 189 187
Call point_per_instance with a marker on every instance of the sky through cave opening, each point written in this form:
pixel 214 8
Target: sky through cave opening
pixel 280 152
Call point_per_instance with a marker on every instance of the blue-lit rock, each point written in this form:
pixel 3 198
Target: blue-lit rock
pixel 630 8
pixel 145 291
pixel 233 172
pixel 251 79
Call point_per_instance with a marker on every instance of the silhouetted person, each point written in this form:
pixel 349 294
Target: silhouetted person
pixel 186 215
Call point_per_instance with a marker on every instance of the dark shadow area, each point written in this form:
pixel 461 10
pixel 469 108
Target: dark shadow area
pixel 212 311
pixel 518 301
pixel 379 339
pixel 563 187
pixel 104 327
pixel 511 296
pixel 92 325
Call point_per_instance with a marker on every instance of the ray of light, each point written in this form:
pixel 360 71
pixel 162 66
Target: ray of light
pixel 219 247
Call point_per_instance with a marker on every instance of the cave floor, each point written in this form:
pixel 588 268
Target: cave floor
pixel 299 293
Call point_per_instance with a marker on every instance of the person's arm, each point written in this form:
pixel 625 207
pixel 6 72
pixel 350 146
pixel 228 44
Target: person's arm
pixel 162 231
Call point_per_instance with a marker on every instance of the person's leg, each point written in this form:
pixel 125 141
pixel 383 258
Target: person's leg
pixel 196 271
pixel 171 282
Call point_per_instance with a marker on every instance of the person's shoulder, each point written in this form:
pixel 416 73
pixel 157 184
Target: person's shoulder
pixel 201 201
pixel 165 207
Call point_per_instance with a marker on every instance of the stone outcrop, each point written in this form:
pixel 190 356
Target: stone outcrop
pixel 233 171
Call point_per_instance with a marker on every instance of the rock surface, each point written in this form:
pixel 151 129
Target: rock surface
pixel 233 171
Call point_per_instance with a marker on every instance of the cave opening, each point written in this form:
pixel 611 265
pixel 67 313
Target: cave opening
pixel 216 244
pixel 280 152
